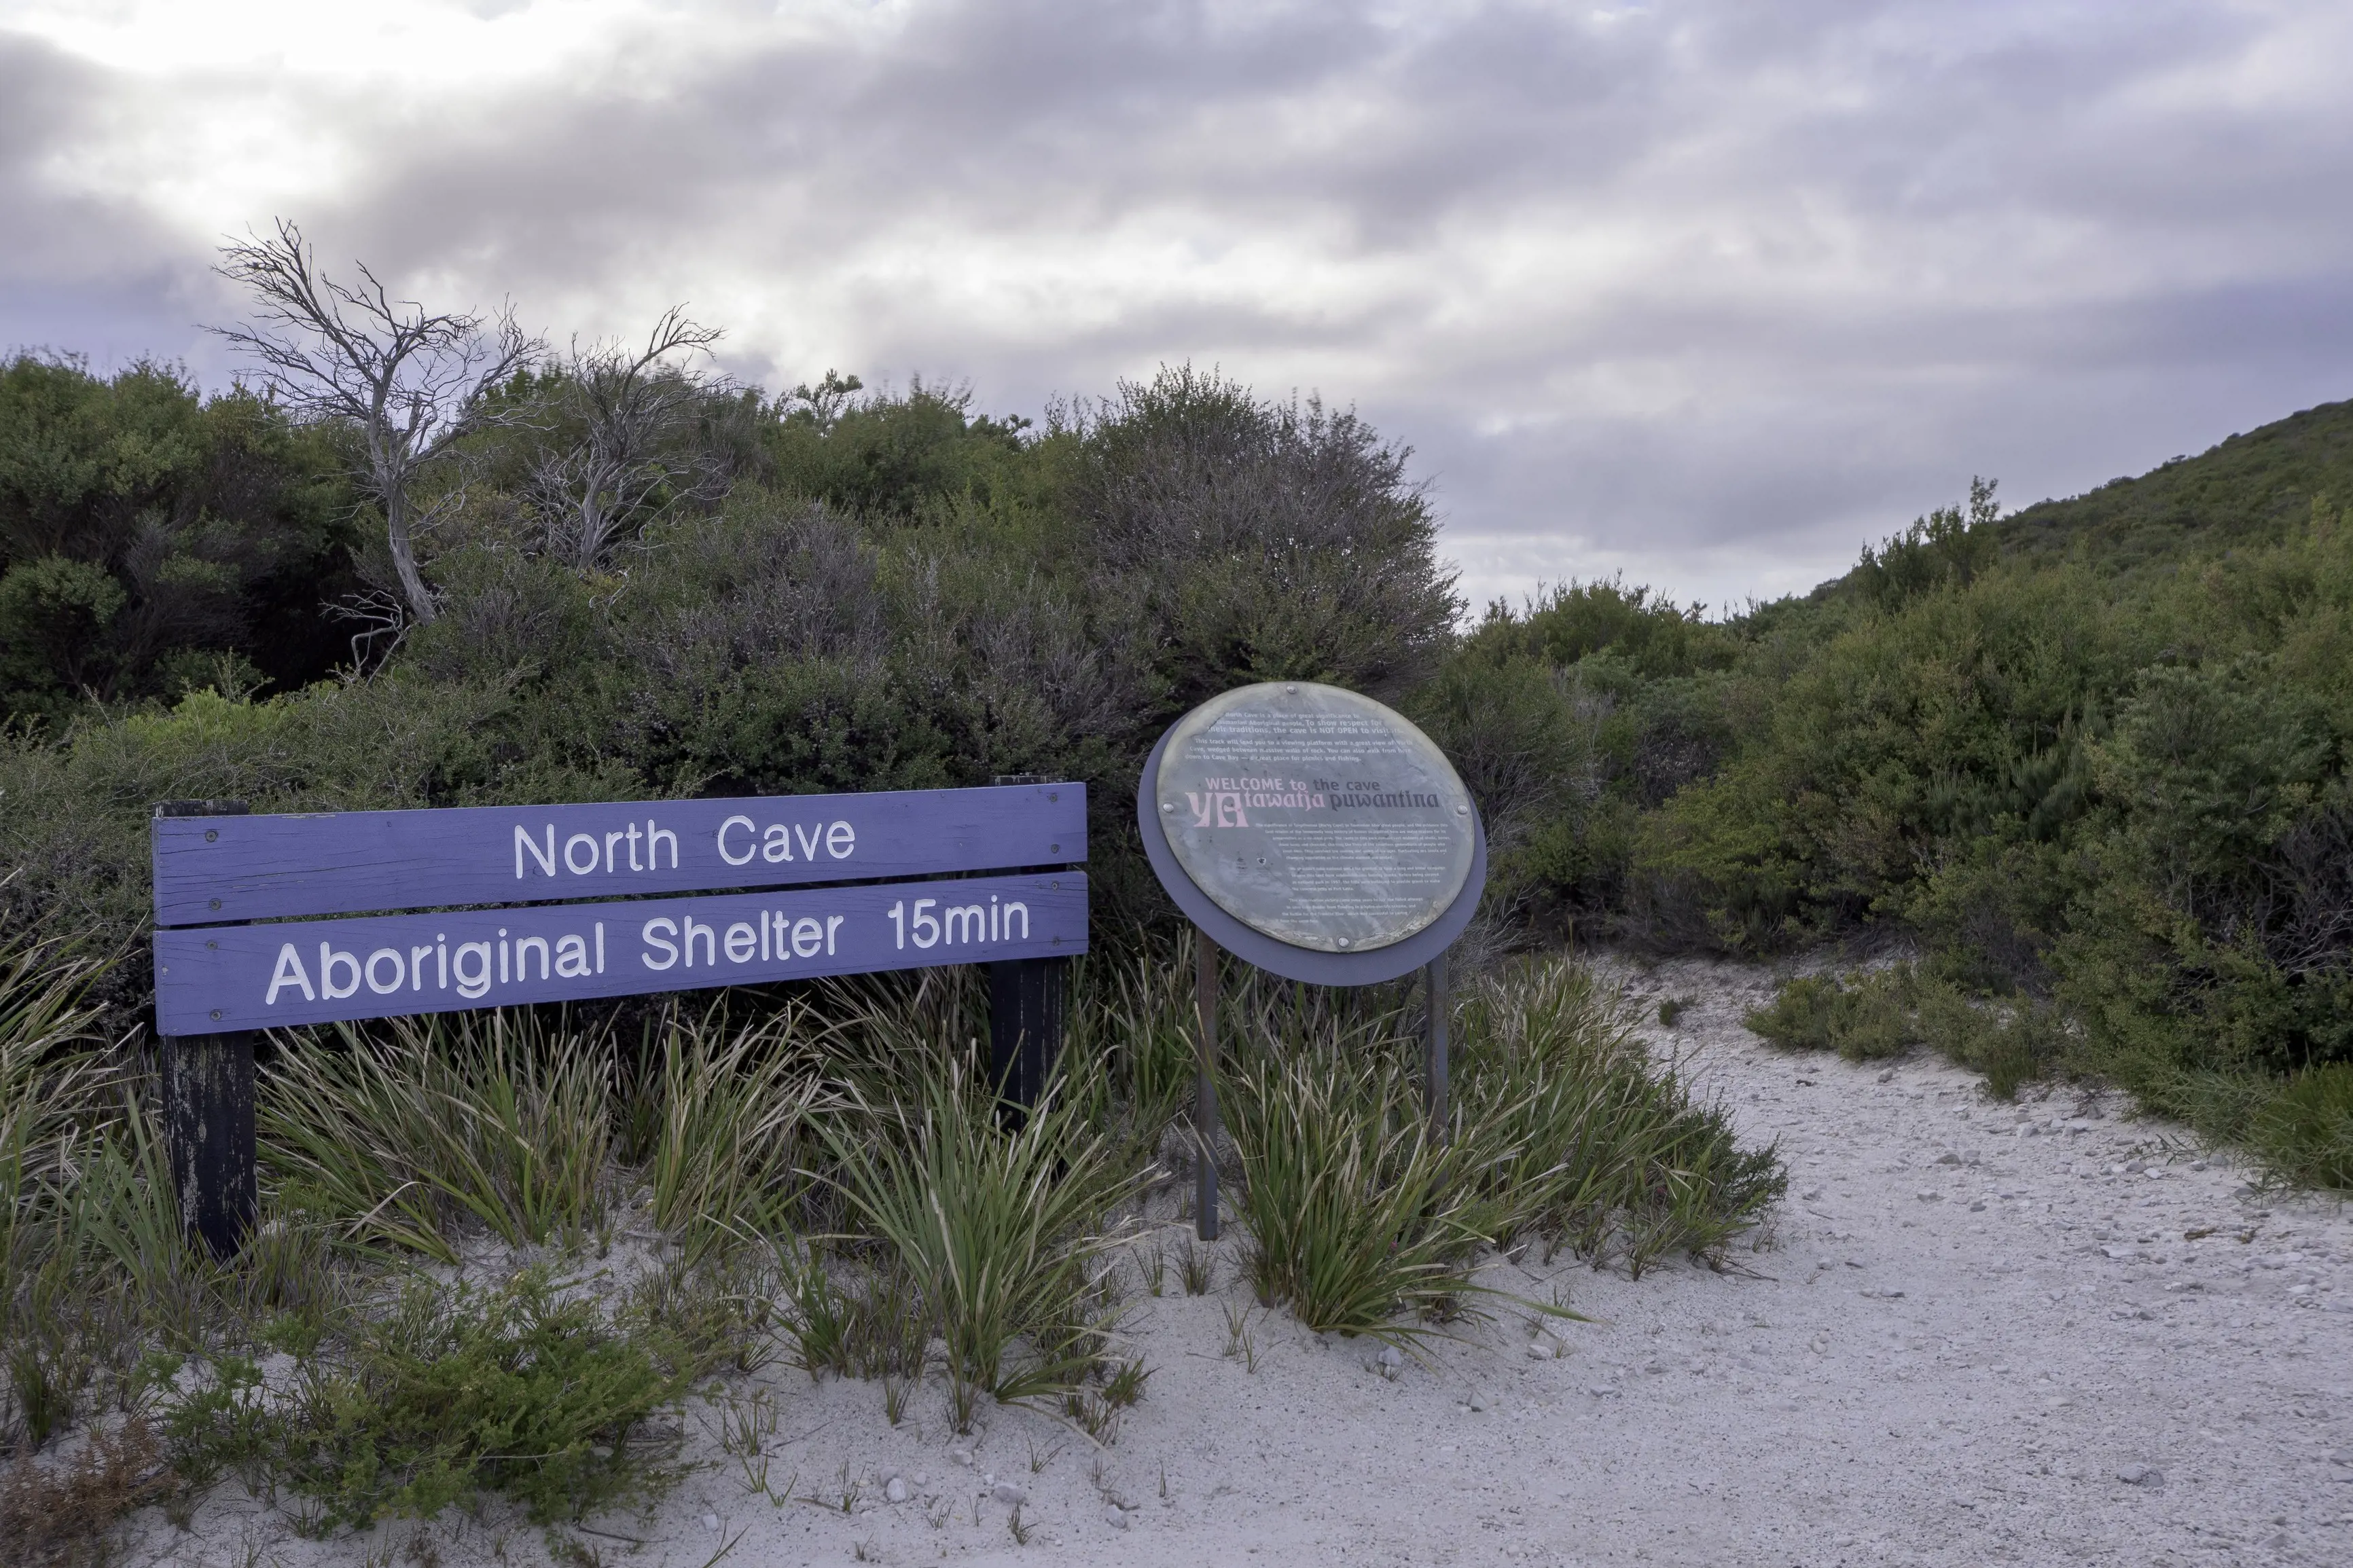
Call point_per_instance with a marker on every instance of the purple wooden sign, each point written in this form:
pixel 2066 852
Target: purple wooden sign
pixel 216 870
pixel 210 980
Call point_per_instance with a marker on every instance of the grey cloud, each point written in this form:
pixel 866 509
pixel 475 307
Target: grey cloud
pixel 79 273
pixel 1862 249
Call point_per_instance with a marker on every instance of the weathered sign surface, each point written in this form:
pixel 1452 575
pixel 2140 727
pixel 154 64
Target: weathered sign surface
pixel 1316 815
pixel 212 869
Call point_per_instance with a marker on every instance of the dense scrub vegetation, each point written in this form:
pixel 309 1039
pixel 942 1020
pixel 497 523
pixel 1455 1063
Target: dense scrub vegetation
pixel 2085 767
pixel 2089 760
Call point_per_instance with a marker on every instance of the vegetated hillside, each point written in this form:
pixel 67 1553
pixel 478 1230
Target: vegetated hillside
pixel 2250 490
pixel 2105 789
pixel 2102 787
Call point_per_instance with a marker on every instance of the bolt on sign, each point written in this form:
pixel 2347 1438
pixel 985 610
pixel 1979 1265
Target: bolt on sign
pixel 1321 836
pixel 433 912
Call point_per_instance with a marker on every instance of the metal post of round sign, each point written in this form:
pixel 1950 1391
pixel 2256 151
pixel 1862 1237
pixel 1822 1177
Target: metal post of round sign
pixel 1319 834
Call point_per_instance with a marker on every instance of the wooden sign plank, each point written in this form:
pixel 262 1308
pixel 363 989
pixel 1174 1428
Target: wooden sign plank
pixel 219 869
pixel 213 979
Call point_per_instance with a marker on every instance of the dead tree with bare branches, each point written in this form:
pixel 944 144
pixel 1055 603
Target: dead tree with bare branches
pixel 629 417
pixel 410 382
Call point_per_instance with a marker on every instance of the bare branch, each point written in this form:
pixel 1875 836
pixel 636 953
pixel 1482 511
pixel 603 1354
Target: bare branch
pixel 631 416
pixel 410 382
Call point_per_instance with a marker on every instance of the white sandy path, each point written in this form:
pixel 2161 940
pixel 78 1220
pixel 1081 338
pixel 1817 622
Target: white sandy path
pixel 1900 1376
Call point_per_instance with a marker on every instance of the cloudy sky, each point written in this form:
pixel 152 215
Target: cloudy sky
pixel 1706 292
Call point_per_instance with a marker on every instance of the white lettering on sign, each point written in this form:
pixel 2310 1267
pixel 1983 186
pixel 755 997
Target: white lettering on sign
pixel 778 938
pixel 290 972
pixel 402 964
pixel 740 839
pixel 583 855
pixel 960 926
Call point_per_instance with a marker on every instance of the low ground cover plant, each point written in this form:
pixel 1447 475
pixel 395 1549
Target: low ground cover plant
pixel 444 1392
pixel 1868 1014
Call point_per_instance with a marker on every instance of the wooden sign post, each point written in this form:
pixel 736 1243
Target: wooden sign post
pixel 208 1110
pixel 1315 832
pixel 576 902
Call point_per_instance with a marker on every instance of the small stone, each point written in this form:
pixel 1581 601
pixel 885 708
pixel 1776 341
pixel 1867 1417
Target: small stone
pixel 1008 1494
pixel 1600 1390
pixel 1887 1076
pixel 710 1521
pixel 895 1490
pixel 1480 1399
pixel 1116 1519
pixel 1948 1158
pixel 959 1454
pixel 921 1479
pixel 2134 1167
pixel 2141 1476
pixel 1977 1207
pixel 1927 1197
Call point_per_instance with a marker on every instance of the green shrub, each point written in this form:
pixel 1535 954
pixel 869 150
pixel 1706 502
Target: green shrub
pixel 522 1389
pixel 2306 1131
pixel 1868 1017
pixel 1862 1018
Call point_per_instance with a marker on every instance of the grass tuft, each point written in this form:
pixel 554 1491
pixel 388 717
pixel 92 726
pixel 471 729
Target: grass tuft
pixel 1004 1234
pixel 500 1118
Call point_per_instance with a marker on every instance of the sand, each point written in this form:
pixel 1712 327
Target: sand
pixel 1970 1336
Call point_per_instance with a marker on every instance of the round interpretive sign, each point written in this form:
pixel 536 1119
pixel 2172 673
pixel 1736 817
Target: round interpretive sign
pixel 1314 816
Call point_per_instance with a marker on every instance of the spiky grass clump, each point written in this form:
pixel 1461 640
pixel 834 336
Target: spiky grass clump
pixel 1363 1220
pixel 503 1118
pixel 1004 1235
pixel 737 1109
pixel 47 1078
pixel 2304 1130
pixel 1355 1213
pixel 1595 1145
